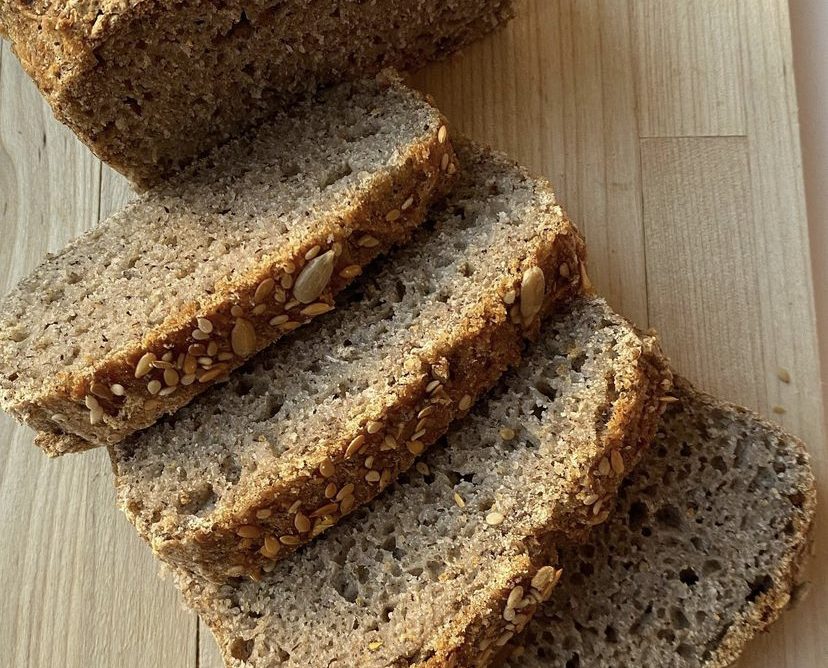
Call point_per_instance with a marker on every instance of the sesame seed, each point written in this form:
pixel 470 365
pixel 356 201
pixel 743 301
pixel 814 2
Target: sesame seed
pixel 212 348
pixel 385 479
pixel 205 361
pixel 154 386
pixel 604 466
pixel 197 349
pixel 213 373
pixel 225 356
pixel 95 416
pixel 617 462
pixel 354 446
pixel 286 281
pixel 259 309
pixel 198 335
pixel 374 645
pixel 407 204
pixel 563 270
pixel 509 614
pixel 346 491
pixel 784 375
pixel 249 531
pixel 236 311
pixel 330 491
pixel 327 468
pixel 428 410
pixel 597 507
pixel 444 161
pixel 351 271
pixel 289 540
pixel 417 435
pixel 327 509
pixel 163 364
pixel 271 547
pixel 205 325
pixel 373 427
pixel 144 365
pixel 263 513
pixel 592 498
pixel 171 377
pixel 515 597
pixel 388 443
pixel 373 476
pixel 504 638
pixel 442 134
pixel 494 518
pixel 289 267
pixel 368 241
pixel 91 402
pixel 452 169
pixel 302 523
pixel 393 215
pixel 461 503
pixel 465 403
pixel 507 433
pixel 433 386
pixel 369 462
pixel 279 295
pixel 167 391
pixel 779 410
pixel 295 506
pixel 243 338
pixel 100 390
pixel 290 326
pixel 421 427
pixel 416 447
pixel 313 252
pixel 188 379
pixel 318 308
pixel 279 320
pixel 346 504
pixel 117 389
pixel 668 399
pixel 292 304
pixel 510 297
pixel 168 356
pixel 422 468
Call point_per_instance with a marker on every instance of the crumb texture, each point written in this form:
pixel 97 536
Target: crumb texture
pixel 699 557
pixel 381 586
pixel 149 85
pixel 193 246
pixel 274 422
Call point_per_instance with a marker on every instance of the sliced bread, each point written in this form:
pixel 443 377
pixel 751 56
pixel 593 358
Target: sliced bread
pixel 701 555
pixel 449 564
pixel 149 85
pixel 136 317
pixel 316 427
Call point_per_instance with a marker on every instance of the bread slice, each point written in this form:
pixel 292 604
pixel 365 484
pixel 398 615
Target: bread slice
pixel 701 555
pixel 166 297
pixel 321 425
pixel 149 85
pixel 449 564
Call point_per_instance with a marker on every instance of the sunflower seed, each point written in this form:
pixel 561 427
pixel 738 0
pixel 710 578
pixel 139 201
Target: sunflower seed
pixel 243 338
pixel 532 290
pixel 314 278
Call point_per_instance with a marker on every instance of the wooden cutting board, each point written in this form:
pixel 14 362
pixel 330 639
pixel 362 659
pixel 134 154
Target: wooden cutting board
pixel 670 131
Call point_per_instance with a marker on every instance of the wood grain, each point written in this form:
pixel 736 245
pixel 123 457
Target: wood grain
pixel 670 132
pixel 80 589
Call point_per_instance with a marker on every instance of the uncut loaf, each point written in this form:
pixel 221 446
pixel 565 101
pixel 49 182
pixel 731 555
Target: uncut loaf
pixel 701 555
pixel 150 84
pixel 314 428
pixel 449 564
pixel 169 295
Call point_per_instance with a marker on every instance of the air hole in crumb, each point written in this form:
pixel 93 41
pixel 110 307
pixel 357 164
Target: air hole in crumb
pixel 577 362
pixel 290 169
pixel 666 635
pixel 241 649
pixel 759 586
pixel 688 576
pixel 718 463
pixel 679 619
pixel 685 651
pixel 574 661
pixel 711 566
pixel 611 634
pixel 669 516
pixel 543 386
pixel 335 174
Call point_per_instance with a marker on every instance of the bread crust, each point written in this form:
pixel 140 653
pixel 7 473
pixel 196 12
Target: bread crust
pixel 465 367
pixel 61 413
pixel 94 60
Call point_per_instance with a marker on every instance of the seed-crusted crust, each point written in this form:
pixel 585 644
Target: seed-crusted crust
pixel 78 411
pixel 476 638
pixel 489 618
pixel 268 520
pixel 96 62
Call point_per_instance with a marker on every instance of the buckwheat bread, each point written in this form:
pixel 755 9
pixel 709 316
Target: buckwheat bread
pixel 449 564
pixel 150 84
pixel 701 555
pixel 136 317
pixel 316 427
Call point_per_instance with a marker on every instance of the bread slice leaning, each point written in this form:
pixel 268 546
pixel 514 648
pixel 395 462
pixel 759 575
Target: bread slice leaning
pixel 136 317
pixel 702 554
pixel 448 565
pixel 316 427
pixel 150 85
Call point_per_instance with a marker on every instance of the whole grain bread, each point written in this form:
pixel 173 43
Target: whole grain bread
pixel 136 317
pixel 149 85
pixel 448 565
pixel 312 429
pixel 702 554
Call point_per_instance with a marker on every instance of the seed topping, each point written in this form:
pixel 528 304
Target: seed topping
pixel 314 278
pixel 243 338
pixel 532 290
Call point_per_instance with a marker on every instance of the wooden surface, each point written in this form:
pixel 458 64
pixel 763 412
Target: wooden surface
pixel 669 129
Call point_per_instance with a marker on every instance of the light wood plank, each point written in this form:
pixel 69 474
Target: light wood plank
pixel 209 656
pixel 689 68
pixel 79 588
pixel 700 260
pixel 556 91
